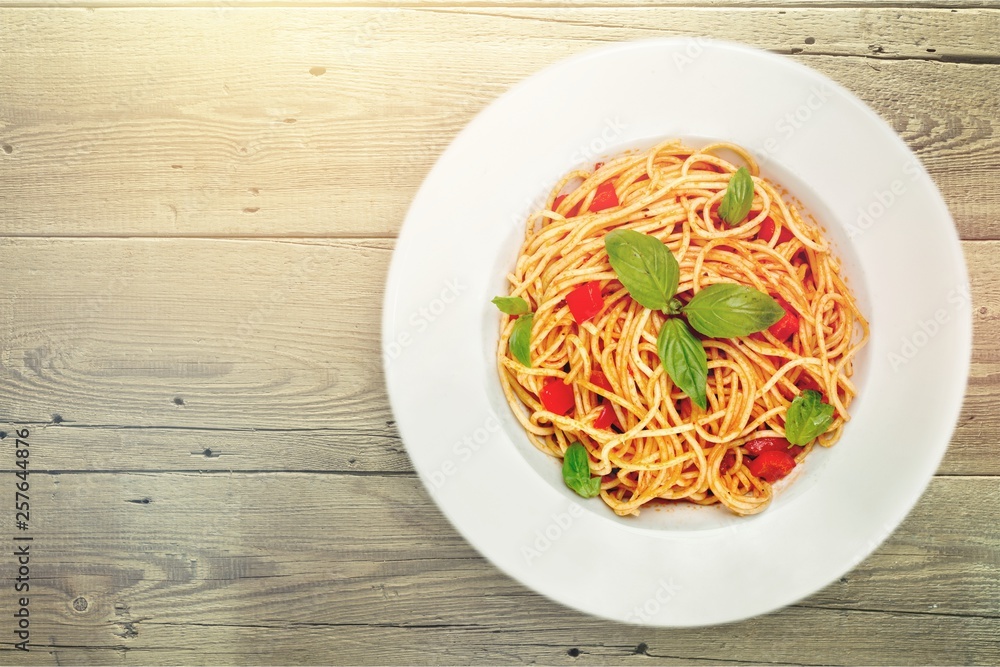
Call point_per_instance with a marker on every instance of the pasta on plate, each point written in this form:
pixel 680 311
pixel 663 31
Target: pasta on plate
pixel 676 330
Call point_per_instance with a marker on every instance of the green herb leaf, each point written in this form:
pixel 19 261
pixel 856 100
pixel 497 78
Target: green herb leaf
pixel 512 305
pixel 684 359
pixel 725 310
pixel 807 417
pixel 644 265
pixel 520 339
pixel 739 196
pixel 576 471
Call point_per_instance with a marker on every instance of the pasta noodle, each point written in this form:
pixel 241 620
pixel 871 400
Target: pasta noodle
pixel 666 448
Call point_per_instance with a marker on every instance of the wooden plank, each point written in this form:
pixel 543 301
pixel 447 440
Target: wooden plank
pixel 266 568
pixel 280 335
pixel 320 122
pixel 104 344
pixel 548 4
pixel 826 636
pixel 374 447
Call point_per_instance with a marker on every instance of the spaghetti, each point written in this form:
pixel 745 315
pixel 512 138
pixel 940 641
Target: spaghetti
pixel 647 439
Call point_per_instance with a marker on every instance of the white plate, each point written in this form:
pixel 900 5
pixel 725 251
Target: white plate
pixel 685 566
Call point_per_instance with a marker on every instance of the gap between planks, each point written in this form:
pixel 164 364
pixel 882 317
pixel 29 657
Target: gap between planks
pixel 958 5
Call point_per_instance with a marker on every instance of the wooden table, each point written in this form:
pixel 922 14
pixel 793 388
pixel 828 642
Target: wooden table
pixel 197 209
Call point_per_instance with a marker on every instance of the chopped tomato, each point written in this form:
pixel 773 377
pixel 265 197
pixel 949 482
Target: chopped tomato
pixel 771 466
pixel 644 177
pixel 557 397
pixel 767 231
pixel 758 446
pixel 728 461
pixel 585 301
pixel 606 197
pixel 572 212
pixel 601 380
pixel 606 418
pixel 788 325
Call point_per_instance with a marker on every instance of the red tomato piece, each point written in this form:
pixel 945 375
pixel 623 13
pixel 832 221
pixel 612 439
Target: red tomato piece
pixel 605 197
pixel 771 466
pixel 598 165
pixel 767 231
pixel 644 177
pixel 606 418
pixel 601 380
pixel 585 301
pixel 557 397
pixel 728 461
pixel 572 212
pixel 758 446
pixel 788 325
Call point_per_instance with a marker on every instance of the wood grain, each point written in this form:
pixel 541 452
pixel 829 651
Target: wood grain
pixel 103 340
pixel 285 567
pixel 548 4
pixel 248 334
pixel 196 213
pixel 320 122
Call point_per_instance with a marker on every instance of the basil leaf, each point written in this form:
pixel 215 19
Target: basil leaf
pixel 520 339
pixel 684 359
pixel 739 196
pixel 807 417
pixel 576 471
pixel 512 305
pixel 725 310
pixel 644 265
